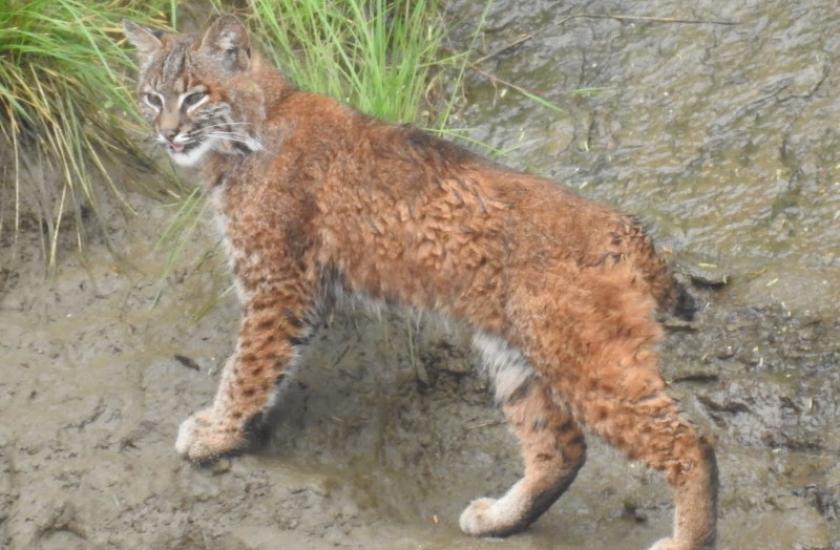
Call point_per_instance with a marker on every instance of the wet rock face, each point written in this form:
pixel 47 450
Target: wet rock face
pixel 772 376
pixel 766 382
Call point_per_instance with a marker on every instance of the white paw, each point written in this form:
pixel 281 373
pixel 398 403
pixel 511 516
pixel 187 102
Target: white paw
pixel 490 517
pixel 476 519
pixel 204 437
pixel 186 436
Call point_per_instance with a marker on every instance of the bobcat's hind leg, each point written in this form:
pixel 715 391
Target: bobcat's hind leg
pixel 553 447
pixel 621 396
pixel 651 430
pixel 597 348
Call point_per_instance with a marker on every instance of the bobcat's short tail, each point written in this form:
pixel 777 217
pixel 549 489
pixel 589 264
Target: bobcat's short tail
pixel 671 295
pixel 684 306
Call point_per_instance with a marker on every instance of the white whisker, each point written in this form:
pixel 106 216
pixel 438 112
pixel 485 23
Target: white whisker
pixel 224 124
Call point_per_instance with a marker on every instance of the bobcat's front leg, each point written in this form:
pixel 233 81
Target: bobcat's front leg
pixel 273 327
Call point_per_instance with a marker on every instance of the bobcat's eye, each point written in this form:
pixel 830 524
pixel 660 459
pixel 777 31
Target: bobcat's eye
pixel 153 100
pixel 193 99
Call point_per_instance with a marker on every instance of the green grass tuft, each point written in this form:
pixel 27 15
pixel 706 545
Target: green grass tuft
pixel 63 104
pixel 376 55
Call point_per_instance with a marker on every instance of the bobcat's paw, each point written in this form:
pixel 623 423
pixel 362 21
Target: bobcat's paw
pixel 490 517
pixel 204 437
pixel 501 517
pixel 476 518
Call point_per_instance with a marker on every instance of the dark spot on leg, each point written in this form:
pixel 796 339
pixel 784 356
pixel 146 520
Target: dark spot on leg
pixel 293 319
pixel 265 344
pixel 265 324
pixel 577 441
pixel 298 340
pixel 539 424
pixel 249 392
pixel 519 393
pixel 601 413
pixel 262 305
pixel 574 452
pixel 649 397
pixel 567 426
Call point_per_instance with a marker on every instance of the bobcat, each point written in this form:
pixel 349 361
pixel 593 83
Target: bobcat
pixel 313 196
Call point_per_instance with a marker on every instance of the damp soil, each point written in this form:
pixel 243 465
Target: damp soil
pixel 722 138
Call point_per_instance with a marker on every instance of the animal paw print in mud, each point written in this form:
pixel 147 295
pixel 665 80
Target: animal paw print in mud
pixel 204 437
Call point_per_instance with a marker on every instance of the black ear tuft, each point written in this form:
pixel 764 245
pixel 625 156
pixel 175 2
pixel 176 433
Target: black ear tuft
pixel 145 41
pixel 227 38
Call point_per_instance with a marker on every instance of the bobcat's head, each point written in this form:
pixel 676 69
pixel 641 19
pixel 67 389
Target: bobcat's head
pixel 198 92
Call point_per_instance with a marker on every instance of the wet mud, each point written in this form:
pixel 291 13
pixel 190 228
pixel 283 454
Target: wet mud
pixel 722 138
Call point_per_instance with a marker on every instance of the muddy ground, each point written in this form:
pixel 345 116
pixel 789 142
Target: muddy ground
pixel 722 138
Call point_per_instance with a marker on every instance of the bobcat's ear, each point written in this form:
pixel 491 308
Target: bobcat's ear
pixel 146 41
pixel 227 39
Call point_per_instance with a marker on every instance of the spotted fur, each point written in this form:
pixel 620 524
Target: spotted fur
pixel 313 196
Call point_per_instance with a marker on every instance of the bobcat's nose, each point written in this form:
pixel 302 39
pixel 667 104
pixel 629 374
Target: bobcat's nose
pixel 168 134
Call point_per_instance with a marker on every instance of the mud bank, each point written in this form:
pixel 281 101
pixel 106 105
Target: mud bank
pixel 722 138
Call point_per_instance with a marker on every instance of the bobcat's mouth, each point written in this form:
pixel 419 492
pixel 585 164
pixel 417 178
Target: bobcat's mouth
pixel 189 153
pixel 182 148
